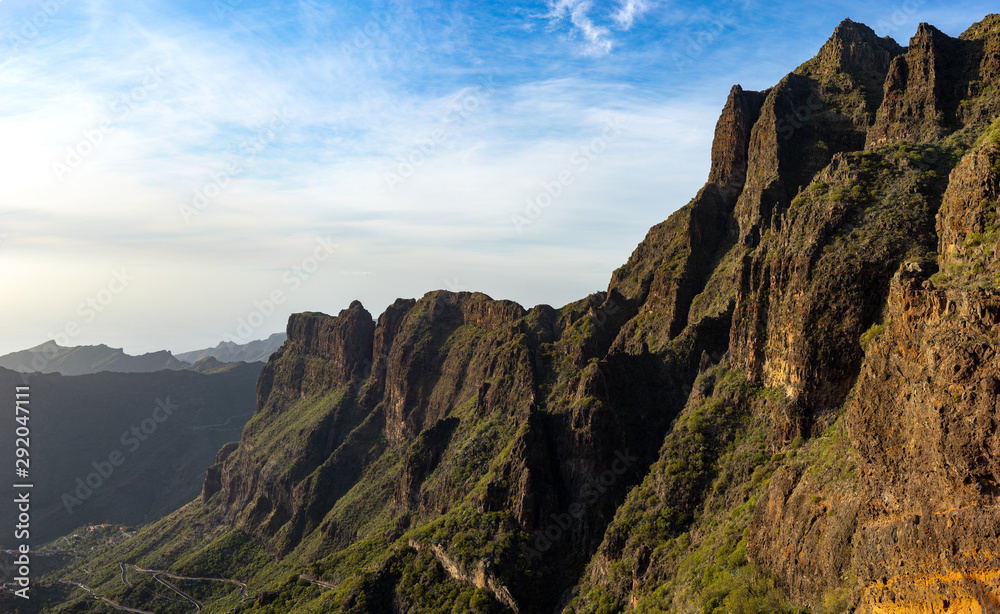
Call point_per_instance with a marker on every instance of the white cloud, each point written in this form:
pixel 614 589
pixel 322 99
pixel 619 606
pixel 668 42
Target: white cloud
pixel 598 37
pixel 630 10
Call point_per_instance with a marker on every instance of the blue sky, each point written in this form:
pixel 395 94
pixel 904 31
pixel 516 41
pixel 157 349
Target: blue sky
pixel 176 173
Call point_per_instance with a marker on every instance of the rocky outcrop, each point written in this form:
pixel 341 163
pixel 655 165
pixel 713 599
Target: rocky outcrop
pixel 921 422
pixel 481 577
pixel 940 85
pixel 675 261
pixel 730 147
pixel 213 476
pixel 967 225
pixel 820 109
pixel 922 90
pixel 343 343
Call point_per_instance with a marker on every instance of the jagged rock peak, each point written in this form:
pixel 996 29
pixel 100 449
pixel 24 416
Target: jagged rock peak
pixel 854 47
pixel 345 340
pixel 853 31
pixel 926 33
pixel 989 25
pixel 940 48
pixel 923 89
pixel 732 139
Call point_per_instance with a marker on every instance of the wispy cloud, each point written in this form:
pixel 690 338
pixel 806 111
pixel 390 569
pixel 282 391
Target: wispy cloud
pixel 598 37
pixel 630 10
pixel 587 21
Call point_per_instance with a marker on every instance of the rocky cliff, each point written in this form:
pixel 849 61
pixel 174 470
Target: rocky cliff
pixel 785 399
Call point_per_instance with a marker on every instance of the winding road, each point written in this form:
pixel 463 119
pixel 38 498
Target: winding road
pixel 107 601
pixel 226 423
pixel 158 575
pixel 159 578
pixel 318 582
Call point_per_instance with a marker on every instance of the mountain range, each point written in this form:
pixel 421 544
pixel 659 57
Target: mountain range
pixel 50 357
pixel 227 351
pixel 784 401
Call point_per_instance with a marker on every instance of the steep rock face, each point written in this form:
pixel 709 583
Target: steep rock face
pixel 732 141
pixel 940 85
pixel 344 343
pixel 674 262
pixel 820 109
pixel 905 508
pixel 424 378
pixel 826 272
pixel 981 104
pixel 805 522
pixel 922 90
pixel 925 417
pixel 321 358
pixel 213 476
pixel 968 222
pixel 823 228
pixel 924 423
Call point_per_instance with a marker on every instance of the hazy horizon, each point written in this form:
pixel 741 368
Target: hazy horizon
pixel 175 353
pixel 174 169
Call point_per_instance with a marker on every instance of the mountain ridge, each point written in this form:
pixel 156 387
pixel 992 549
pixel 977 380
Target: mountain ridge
pixel 226 351
pixel 50 357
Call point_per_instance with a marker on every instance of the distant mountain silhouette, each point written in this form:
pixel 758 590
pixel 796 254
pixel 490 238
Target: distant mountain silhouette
pixel 50 357
pixel 81 360
pixel 227 351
